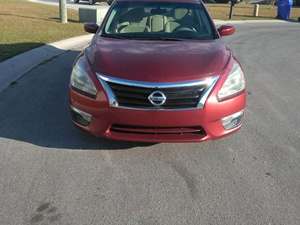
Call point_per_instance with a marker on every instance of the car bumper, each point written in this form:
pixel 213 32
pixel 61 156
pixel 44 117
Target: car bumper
pixel 156 125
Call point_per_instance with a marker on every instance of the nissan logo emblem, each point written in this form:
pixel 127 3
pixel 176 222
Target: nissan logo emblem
pixel 157 98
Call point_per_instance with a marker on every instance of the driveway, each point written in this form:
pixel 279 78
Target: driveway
pixel 52 173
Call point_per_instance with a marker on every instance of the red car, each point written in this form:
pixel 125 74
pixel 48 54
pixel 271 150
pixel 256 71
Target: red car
pixel 157 71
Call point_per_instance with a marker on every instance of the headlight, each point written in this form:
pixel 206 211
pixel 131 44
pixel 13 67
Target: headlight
pixel 80 79
pixel 234 83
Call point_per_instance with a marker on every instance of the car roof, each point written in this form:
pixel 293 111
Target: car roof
pixel 180 1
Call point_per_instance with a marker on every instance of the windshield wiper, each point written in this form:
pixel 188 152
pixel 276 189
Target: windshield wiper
pixel 116 36
pixel 140 37
pixel 159 38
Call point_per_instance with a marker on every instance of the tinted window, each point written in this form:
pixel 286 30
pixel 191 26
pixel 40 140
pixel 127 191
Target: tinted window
pixel 158 20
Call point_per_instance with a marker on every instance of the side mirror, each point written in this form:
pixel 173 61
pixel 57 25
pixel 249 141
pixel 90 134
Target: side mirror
pixel 91 27
pixel 226 30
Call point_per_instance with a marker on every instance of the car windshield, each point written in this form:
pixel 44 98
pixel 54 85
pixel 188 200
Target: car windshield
pixel 158 20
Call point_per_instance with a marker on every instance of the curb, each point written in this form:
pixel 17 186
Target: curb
pixel 274 21
pixel 14 68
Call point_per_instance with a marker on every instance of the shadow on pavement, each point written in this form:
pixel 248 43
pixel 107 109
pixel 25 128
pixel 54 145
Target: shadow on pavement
pixel 10 50
pixel 35 110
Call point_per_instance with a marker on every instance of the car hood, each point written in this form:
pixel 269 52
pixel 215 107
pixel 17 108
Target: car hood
pixel 157 61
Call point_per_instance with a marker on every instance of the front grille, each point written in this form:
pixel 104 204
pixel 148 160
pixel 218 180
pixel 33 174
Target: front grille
pixel 195 130
pixel 176 97
pixel 155 95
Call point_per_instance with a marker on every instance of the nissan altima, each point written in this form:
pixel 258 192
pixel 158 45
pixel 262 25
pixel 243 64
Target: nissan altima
pixel 158 71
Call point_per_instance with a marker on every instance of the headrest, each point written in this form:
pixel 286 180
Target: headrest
pixel 179 13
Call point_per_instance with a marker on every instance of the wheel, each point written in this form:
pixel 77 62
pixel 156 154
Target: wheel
pixel 92 2
pixel 76 1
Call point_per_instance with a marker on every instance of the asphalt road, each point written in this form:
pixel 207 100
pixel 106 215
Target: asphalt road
pixel 53 174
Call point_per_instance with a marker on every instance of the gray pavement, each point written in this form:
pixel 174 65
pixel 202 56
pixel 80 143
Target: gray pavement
pixel 52 173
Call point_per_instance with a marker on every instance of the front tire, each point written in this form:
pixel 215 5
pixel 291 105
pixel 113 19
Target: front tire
pixel 92 2
pixel 76 1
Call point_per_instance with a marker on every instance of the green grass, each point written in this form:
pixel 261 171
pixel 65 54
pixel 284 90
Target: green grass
pixel 25 25
pixel 245 12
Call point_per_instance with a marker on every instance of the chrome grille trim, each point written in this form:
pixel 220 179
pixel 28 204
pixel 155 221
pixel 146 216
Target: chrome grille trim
pixel 208 82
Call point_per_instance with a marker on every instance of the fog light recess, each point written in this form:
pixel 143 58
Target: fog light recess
pixel 232 121
pixel 80 117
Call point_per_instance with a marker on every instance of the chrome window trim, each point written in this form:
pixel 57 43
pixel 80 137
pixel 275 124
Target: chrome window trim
pixel 209 82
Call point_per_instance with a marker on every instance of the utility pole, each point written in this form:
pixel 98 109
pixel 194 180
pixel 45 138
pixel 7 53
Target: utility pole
pixel 63 14
pixel 232 3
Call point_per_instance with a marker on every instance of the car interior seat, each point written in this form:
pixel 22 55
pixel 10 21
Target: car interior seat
pixel 157 23
pixel 177 20
pixel 135 20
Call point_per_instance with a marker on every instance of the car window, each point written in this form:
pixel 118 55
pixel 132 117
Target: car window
pixel 158 19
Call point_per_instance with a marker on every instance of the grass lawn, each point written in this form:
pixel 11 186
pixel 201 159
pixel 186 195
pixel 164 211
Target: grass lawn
pixel 25 25
pixel 245 12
